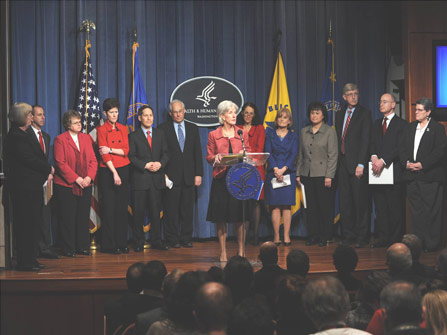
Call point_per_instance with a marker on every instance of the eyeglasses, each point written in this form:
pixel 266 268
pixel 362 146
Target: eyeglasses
pixel 351 95
pixel 419 110
pixel 76 122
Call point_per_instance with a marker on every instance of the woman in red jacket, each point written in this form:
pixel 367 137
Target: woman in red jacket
pixel 113 180
pixel 248 119
pixel 223 207
pixel 76 167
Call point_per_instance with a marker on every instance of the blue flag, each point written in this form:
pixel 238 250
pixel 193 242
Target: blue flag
pixel 138 95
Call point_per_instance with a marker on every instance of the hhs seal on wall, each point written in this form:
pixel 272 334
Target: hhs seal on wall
pixel 201 95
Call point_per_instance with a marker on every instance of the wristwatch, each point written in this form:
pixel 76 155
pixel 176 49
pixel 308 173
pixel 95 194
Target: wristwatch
pixel 110 151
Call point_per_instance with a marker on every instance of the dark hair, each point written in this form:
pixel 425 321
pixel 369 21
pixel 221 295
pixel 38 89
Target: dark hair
pixel 325 301
pixel 251 317
pixel 317 106
pixel 153 274
pixel 68 116
pixel 216 274
pixel 134 277
pixel 238 276
pixel 169 283
pixel 213 306
pixel 345 258
pixel 427 103
pixel 402 303
pixel 181 303
pixel 256 119
pixel 268 253
pixel 110 103
pixel 442 262
pixel 142 108
pixel 36 106
pixel 413 243
pixel 298 262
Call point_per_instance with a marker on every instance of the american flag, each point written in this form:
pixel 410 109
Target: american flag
pixel 89 108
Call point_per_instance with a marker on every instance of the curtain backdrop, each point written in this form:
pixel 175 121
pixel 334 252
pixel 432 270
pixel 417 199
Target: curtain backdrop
pixel 184 39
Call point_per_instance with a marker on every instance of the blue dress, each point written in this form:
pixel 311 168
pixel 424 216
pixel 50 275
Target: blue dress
pixel 282 153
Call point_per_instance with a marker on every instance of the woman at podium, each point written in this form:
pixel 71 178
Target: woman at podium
pixel 248 120
pixel 317 163
pixel 282 144
pixel 223 207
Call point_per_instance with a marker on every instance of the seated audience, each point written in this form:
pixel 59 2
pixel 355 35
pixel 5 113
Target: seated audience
pixel 180 306
pixel 414 243
pixel 441 266
pixel 326 302
pixel 368 300
pixel 114 309
pixel 251 317
pixel 399 262
pixel 238 276
pixel 402 304
pixel 345 261
pixel 291 318
pixel 267 277
pixel 298 263
pixel 146 319
pixel 434 305
pixel 212 309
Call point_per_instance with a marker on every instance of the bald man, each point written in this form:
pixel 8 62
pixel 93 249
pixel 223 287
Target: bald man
pixel 389 200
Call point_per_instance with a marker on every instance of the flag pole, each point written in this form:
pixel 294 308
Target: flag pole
pixel 331 42
pixel 134 50
pixel 277 47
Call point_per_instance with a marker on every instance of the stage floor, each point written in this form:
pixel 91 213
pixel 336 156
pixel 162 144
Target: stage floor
pixel 201 257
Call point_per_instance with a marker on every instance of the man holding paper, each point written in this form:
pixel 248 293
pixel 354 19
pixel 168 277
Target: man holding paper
pixel 389 198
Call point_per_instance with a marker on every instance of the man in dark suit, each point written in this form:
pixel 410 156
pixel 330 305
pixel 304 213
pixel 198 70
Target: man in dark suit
pixel 353 126
pixel 43 141
pixel 389 200
pixel 185 170
pixel 148 154
pixel 26 170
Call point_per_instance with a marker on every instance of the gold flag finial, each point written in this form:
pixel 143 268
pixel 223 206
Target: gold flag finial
pixel 87 25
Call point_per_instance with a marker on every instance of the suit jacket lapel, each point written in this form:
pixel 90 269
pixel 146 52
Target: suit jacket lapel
pixel 173 135
pixel 144 138
pixel 70 141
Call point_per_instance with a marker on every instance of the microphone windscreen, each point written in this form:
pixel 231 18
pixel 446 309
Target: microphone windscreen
pixel 239 132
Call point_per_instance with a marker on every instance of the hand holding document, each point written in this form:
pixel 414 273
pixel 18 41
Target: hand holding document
pixel 285 182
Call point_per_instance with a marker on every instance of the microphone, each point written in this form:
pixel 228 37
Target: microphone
pixel 240 133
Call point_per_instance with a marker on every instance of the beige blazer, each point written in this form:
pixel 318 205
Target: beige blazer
pixel 318 153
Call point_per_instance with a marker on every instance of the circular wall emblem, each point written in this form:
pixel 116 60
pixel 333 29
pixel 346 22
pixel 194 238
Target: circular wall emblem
pixel 201 95
pixel 244 181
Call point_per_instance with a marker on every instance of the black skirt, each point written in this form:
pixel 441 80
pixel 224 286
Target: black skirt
pixel 223 207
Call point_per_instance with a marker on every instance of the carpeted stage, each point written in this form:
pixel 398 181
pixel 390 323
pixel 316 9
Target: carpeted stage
pixel 67 297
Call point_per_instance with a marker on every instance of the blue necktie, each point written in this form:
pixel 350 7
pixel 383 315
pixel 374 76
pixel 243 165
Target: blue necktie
pixel 181 137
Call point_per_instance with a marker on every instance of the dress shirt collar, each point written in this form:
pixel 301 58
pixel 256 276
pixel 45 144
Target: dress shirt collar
pixel 36 130
pixel 145 131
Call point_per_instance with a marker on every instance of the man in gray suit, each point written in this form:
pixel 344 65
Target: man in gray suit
pixel 44 231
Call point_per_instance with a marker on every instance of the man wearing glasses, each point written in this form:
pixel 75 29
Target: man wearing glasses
pixel 353 126
pixel 185 170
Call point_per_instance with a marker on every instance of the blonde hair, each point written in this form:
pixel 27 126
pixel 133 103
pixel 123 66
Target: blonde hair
pixel 435 303
pixel 224 107
pixel 286 111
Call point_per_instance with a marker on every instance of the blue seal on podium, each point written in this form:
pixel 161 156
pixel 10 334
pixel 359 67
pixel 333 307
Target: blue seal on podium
pixel 244 181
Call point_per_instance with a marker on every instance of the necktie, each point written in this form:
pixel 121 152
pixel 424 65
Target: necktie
pixel 384 126
pixel 42 146
pixel 181 137
pixel 149 139
pixel 345 130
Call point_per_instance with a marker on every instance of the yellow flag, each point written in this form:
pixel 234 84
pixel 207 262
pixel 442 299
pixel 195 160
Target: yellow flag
pixel 279 98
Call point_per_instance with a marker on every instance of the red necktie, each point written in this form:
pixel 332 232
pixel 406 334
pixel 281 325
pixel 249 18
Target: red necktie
pixel 384 126
pixel 149 139
pixel 345 131
pixel 41 141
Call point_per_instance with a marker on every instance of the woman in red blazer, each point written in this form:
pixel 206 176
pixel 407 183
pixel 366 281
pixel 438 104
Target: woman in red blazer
pixel 222 207
pixel 113 180
pixel 76 167
pixel 248 119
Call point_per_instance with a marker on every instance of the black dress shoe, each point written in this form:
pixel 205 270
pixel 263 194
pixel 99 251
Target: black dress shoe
pixel 33 268
pixel 174 245
pixel 277 243
pixel 311 241
pixel 160 246
pixel 49 255
pixel 322 243
pixel 40 265
pixel 111 251
pixel 288 244
pixel 138 249
pixel 69 254
pixel 84 252
pixel 187 245
pixel 124 250
pixel 345 242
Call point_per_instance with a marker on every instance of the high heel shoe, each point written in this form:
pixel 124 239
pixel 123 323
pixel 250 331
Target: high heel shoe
pixel 288 244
